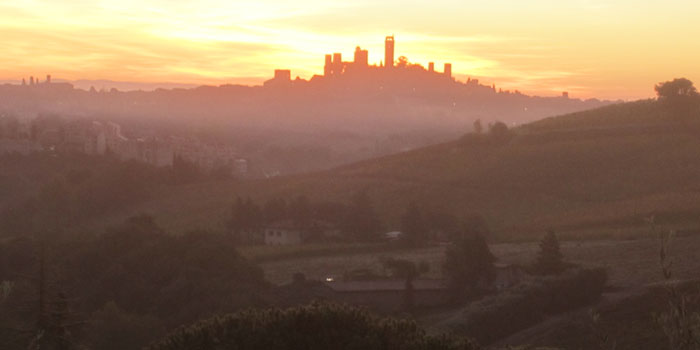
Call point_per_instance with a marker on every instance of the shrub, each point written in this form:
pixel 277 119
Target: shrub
pixel 530 303
pixel 317 326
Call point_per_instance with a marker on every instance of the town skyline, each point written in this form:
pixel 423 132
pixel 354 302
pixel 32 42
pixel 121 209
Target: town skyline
pixel 589 48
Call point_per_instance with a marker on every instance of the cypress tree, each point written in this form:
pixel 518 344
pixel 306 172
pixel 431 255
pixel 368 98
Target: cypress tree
pixel 468 264
pixel 549 260
pixel 413 227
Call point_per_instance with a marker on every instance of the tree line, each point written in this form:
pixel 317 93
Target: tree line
pixel 357 221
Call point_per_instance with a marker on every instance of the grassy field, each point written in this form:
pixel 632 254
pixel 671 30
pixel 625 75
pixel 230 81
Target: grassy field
pixel 631 262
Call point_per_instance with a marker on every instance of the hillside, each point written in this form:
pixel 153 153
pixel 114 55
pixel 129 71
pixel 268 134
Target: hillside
pixel 597 172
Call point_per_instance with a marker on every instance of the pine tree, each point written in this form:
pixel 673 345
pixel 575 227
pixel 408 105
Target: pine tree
pixel 549 260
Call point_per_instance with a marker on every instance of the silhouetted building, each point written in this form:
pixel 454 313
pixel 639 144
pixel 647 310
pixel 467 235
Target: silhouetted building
pixel 31 80
pixel 48 78
pixel 389 51
pixel 283 77
pixel 565 94
pixel 361 57
pixel 359 69
pixel 337 64
pixel 283 74
pixel 328 66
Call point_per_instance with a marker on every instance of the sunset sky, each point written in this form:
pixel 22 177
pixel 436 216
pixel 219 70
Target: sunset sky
pixel 591 48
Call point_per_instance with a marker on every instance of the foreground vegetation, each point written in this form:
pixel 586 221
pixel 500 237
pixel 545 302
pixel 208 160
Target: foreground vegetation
pixel 120 289
pixel 318 326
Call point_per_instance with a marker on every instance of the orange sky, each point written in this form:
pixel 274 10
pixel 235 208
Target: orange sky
pixel 591 48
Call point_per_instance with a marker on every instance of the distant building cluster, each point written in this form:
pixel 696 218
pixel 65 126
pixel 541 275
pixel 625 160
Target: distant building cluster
pixel 35 81
pixel 100 138
pixel 334 65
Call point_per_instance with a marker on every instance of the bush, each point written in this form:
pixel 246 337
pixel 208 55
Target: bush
pixel 317 326
pixel 530 303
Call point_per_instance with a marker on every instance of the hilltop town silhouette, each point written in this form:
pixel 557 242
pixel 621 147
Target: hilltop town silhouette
pixel 354 110
pixel 359 69
pixel 390 75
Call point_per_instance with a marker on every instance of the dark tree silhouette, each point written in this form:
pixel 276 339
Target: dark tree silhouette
pixel 402 62
pixel 549 260
pixel 498 130
pixel 478 128
pixel 413 226
pixel 300 212
pixel 468 264
pixel 245 220
pixel 275 209
pixel 361 221
pixel 679 87
pixel 409 271
pixel 680 97
pixel 184 171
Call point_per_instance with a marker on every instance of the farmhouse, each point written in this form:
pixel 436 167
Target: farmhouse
pixel 283 233
pixel 291 232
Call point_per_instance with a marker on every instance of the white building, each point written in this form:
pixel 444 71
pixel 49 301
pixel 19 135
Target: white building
pixel 283 233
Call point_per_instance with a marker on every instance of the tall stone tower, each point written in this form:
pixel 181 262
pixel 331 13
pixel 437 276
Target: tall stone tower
pixel 389 52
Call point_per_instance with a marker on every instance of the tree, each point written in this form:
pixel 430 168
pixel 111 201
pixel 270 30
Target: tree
pixel 409 271
pixel 46 320
pixel 478 128
pixel 498 130
pixel 442 224
pixel 676 88
pixel 245 219
pixel 300 212
pixel 413 226
pixel 112 328
pixel 549 260
pixel 468 264
pixel 680 97
pixel 361 221
pixel 313 327
pixel 402 62
pixel 184 171
pixel 275 209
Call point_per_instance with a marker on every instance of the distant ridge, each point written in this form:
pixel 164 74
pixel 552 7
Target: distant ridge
pixel 106 84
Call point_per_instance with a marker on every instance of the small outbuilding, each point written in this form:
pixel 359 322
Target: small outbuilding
pixel 283 233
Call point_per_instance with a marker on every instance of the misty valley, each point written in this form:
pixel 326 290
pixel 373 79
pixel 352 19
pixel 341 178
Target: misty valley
pixel 384 205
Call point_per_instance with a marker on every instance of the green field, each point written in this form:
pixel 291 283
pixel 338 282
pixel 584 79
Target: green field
pixel 631 263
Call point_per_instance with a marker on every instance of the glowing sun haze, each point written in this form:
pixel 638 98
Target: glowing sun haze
pixel 608 49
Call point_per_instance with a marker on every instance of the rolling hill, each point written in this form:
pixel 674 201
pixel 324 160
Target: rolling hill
pixel 595 172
